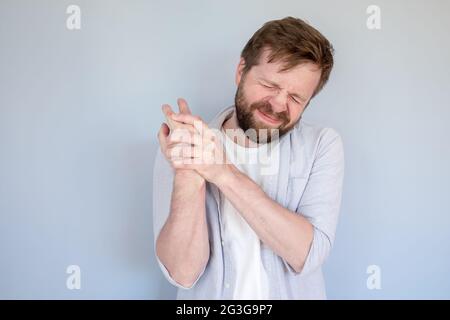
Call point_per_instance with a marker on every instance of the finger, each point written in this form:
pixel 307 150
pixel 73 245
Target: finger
pixel 183 106
pixel 180 164
pixel 189 119
pixel 165 130
pixel 185 160
pixel 162 135
pixel 184 150
pixel 175 150
pixel 183 129
pixel 168 112
pixel 183 136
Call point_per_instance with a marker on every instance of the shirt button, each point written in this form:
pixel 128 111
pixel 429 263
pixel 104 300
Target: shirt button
pixel 223 243
pixel 227 285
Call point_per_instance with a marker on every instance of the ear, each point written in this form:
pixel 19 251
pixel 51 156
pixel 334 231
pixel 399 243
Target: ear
pixel 239 71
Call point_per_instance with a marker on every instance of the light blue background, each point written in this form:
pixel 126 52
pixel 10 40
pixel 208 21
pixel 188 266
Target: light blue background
pixel 80 111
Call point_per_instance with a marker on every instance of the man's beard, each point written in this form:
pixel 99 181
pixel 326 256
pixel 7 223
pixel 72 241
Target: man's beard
pixel 245 114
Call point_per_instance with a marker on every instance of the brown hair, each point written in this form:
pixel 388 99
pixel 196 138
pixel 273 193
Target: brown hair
pixel 292 41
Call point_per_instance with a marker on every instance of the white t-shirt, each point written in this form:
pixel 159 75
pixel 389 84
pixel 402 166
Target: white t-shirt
pixel 244 244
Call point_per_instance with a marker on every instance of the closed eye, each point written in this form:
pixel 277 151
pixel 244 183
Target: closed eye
pixel 295 100
pixel 267 85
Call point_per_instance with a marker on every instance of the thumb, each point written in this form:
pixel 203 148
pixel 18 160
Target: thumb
pixel 165 129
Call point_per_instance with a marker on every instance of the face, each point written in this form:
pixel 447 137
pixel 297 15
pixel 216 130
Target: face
pixel 269 99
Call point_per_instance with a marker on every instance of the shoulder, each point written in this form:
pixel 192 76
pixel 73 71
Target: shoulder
pixel 317 139
pixel 312 132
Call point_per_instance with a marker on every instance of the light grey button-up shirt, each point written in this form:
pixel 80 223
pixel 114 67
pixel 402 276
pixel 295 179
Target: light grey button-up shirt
pixel 309 182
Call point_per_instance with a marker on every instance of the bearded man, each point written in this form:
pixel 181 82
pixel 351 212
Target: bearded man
pixel 246 206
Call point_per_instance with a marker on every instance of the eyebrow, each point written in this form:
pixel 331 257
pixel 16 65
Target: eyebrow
pixel 276 85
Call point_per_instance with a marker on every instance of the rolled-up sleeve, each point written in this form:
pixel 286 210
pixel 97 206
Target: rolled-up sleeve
pixel 162 192
pixel 321 199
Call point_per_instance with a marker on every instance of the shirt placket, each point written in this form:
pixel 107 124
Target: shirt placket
pixel 228 274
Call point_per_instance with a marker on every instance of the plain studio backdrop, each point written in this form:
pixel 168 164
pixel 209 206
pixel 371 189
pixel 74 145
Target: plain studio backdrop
pixel 80 110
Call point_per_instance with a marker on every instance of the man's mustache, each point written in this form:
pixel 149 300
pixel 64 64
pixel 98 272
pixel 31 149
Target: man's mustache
pixel 267 109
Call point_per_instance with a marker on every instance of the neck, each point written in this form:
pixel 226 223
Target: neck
pixel 238 136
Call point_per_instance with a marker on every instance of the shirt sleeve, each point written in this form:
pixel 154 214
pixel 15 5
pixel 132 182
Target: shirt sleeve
pixel 321 199
pixel 163 175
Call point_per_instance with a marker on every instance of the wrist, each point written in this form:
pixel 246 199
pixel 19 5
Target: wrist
pixel 227 173
pixel 190 176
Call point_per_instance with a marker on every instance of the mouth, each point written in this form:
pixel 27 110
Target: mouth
pixel 268 119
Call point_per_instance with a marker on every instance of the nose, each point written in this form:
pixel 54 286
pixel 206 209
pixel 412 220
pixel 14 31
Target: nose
pixel 279 102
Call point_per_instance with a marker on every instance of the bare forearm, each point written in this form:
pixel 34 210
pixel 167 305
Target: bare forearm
pixel 288 234
pixel 183 245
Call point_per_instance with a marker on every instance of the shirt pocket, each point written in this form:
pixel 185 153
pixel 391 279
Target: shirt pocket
pixel 296 187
